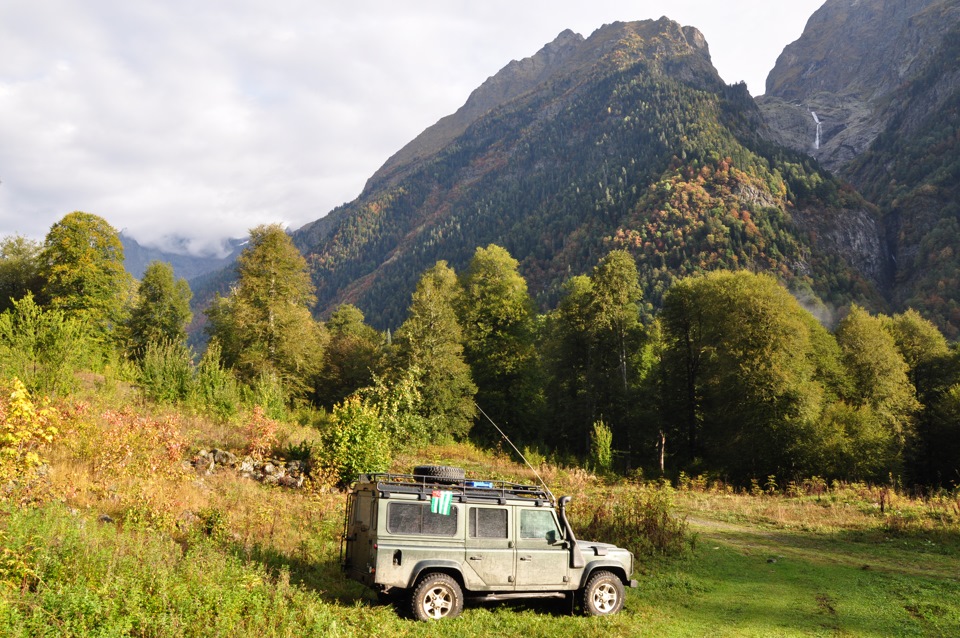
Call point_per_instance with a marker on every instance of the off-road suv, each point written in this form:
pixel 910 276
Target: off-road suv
pixel 435 536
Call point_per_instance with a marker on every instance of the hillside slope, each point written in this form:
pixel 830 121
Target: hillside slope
pixel 628 138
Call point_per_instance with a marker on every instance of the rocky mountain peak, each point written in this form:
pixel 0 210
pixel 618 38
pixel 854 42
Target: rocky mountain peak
pixel 662 42
pixel 516 78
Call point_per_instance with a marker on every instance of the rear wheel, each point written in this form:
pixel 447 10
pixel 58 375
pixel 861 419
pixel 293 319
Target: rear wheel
pixel 603 595
pixel 437 596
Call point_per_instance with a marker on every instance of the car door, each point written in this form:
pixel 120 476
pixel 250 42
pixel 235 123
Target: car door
pixel 491 553
pixel 542 557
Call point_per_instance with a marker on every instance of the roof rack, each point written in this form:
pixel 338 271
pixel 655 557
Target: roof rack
pixel 465 490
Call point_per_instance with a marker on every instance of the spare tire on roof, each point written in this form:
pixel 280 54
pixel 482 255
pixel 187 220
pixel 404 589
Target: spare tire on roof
pixel 440 472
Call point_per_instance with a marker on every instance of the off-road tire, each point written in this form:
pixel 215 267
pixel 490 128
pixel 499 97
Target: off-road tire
pixel 440 473
pixel 603 594
pixel 436 596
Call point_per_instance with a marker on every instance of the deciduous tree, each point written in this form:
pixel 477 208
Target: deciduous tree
pixel 82 268
pixel 19 269
pixel 264 326
pixel 353 355
pixel 498 319
pixel 738 357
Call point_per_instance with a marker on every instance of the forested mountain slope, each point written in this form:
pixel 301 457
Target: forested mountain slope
pixel 626 139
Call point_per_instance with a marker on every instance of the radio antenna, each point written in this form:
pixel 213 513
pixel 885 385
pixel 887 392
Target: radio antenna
pixel 519 453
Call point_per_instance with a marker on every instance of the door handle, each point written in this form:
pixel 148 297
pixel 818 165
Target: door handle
pixel 476 558
pixel 526 558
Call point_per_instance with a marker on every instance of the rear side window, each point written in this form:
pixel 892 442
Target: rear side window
pixel 416 518
pixel 486 522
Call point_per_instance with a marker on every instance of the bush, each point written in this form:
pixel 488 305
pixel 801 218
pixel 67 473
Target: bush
pixel 397 404
pixel 640 520
pixel 261 433
pixel 23 430
pixel 355 442
pixel 166 372
pixel 268 393
pixel 601 448
pixel 43 348
pixel 215 391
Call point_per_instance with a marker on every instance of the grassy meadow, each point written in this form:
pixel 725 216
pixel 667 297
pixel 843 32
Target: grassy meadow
pixel 118 536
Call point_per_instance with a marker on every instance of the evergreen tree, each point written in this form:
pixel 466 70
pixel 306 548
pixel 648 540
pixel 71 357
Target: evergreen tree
pixel 265 327
pixel 82 268
pixel 430 341
pixel 498 319
pixel 161 311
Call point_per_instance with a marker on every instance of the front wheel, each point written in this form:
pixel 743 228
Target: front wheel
pixel 437 596
pixel 603 595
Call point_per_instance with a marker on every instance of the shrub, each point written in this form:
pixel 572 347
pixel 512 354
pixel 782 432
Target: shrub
pixel 397 404
pixel 43 348
pixel 137 460
pixel 215 391
pixel 24 428
pixel 268 393
pixel 261 433
pixel 640 520
pixel 601 448
pixel 166 372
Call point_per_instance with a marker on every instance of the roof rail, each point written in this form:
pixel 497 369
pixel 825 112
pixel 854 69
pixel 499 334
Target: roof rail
pixel 465 490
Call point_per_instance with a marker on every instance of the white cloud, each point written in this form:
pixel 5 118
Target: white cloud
pixel 205 119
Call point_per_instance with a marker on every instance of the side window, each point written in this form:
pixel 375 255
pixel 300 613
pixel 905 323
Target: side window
pixel 416 518
pixel 538 524
pixel 488 522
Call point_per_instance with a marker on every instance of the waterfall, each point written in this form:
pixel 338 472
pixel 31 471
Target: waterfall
pixel 816 142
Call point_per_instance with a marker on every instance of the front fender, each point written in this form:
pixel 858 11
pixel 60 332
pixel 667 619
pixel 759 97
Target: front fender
pixel 611 566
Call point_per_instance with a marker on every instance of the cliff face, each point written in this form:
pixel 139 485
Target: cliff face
pixel 852 57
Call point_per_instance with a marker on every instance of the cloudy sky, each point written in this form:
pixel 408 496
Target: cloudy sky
pixel 202 119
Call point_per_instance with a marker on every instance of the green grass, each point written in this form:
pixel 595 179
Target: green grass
pixel 64 574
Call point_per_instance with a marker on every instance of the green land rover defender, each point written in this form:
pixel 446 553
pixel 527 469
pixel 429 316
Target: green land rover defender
pixel 434 537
